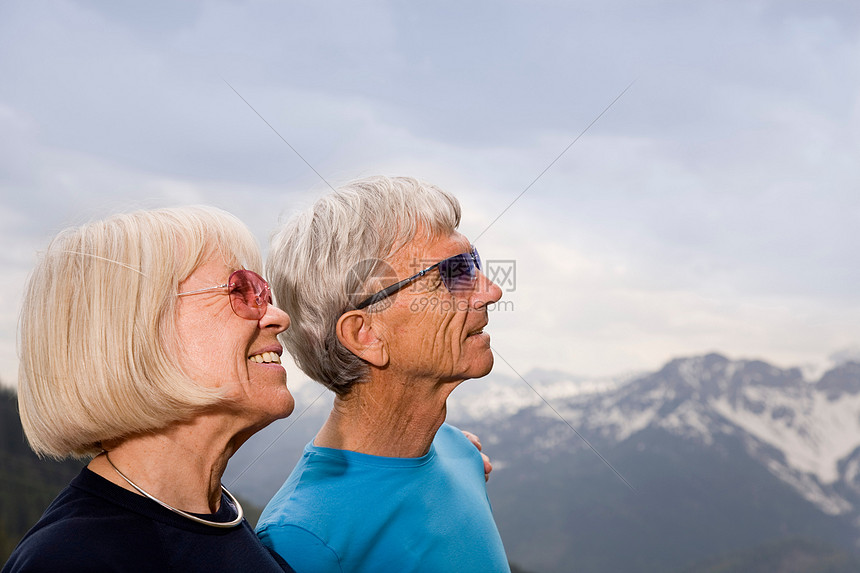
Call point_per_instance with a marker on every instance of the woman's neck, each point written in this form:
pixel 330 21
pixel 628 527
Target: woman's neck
pixel 181 465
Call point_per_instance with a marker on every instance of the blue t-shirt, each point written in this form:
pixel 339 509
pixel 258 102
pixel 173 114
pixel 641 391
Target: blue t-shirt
pixel 345 511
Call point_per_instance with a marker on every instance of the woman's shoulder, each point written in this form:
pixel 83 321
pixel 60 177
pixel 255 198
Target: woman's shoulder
pixel 65 533
pixel 68 545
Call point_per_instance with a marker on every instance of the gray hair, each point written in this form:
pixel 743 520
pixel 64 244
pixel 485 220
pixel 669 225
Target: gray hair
pixel 322 260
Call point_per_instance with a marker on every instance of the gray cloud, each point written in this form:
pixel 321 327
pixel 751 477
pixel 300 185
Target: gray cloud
pixel 713 208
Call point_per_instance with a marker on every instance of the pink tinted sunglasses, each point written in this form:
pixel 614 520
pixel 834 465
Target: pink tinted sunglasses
pixel 250 295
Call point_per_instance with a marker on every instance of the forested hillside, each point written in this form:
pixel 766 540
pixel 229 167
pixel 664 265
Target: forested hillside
pixel 27 484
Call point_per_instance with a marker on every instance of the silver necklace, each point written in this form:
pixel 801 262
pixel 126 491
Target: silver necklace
pixel 227 524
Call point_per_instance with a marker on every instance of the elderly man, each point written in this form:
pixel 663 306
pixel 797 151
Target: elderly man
pixel 388 307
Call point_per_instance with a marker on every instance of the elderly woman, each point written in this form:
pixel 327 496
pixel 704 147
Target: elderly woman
pixel 149 342
pixel 388 306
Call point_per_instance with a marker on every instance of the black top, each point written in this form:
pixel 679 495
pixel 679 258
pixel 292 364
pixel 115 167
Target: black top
pixel 95 525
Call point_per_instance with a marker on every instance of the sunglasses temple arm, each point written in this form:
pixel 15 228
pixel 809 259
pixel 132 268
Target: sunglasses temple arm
pixel 225 285
pixel 383 294
pixel 388 291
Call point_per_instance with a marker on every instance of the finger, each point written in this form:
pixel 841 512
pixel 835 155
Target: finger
pixel 488 466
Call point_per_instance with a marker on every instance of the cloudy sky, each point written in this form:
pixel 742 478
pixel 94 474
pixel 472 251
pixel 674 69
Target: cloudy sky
pixel 714 206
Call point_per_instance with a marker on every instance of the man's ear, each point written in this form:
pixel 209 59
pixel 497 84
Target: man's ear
pixel 358 331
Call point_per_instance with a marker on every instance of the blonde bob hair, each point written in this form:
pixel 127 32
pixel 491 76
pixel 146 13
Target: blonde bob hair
pixel 97 343
pixel 323 261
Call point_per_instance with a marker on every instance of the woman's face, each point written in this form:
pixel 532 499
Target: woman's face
pixel 241 356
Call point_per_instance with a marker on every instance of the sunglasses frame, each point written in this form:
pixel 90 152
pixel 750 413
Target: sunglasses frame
pixel 249 311
pixel 471 257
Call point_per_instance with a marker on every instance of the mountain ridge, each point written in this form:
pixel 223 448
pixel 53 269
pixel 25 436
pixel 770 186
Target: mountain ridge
pixel 732 463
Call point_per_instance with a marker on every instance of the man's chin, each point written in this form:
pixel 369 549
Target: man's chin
pixel 482 370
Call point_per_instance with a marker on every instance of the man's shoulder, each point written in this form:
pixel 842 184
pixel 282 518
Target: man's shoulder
pixel 315 487
pixel 449 433
pixel 451 439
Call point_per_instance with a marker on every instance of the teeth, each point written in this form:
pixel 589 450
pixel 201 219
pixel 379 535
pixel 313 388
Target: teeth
pixel 265 357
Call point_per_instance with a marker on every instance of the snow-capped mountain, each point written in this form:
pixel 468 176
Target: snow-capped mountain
pixel 648 472
pixel 807 434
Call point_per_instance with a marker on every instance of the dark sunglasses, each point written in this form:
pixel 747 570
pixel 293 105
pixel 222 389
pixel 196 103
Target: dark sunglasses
pixel 250 295
pixel 458 274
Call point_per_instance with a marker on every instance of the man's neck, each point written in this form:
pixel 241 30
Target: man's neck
pixel 386 418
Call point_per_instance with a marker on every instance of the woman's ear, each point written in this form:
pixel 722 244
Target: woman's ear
pixel 358 332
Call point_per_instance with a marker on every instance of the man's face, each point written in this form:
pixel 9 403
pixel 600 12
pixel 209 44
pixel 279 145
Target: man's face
pixel 433 333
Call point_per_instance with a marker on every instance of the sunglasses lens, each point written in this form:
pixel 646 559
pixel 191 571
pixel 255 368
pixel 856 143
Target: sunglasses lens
pixel 459 272
pixel 249 294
